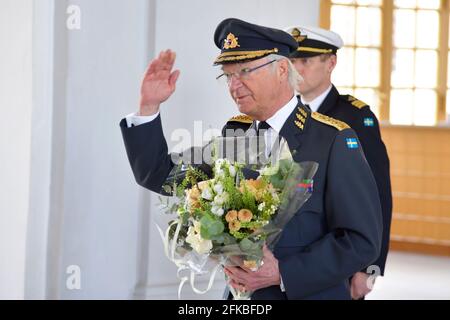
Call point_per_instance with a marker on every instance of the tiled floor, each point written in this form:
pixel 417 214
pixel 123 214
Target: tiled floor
pixel 413 277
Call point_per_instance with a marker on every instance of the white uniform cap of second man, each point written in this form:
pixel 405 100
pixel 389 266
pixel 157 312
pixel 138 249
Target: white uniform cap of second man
pixel 313 41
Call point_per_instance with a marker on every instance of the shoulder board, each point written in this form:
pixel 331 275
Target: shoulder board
pixel 242 118
pixel 330 121
pixel 354 102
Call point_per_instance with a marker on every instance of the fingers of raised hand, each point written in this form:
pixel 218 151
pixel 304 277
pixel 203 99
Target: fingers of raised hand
pixel 173 78
pixel 167 59
pixel 162 65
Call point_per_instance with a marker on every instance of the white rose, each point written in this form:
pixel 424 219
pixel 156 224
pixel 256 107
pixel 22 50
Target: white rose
pixel 191 237
pixel 218 188
pixel 203 246
pixel 218 211
pixel 197 226
pixel 197 243
pixel 219 173
pixel 220 199
pixel 207 194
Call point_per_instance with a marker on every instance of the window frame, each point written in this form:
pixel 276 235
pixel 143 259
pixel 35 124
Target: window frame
pixel 387 51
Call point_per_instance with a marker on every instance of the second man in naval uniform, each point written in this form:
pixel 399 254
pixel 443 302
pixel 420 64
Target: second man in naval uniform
pixel 315 59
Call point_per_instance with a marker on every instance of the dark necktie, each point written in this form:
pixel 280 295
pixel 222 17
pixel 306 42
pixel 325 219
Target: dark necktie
pixel 262 127
pixel 263 145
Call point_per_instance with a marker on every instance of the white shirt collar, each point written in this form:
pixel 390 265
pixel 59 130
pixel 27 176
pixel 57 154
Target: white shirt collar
pixel 277 121
pixel 315 104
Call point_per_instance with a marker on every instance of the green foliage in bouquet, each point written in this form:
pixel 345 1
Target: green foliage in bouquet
pixel 227 209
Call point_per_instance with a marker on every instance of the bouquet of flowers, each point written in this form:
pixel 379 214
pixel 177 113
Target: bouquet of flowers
pixel 224 216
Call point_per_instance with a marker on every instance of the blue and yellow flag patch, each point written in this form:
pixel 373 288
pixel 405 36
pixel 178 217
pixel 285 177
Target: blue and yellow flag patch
pixel 352 143
pixel 369 122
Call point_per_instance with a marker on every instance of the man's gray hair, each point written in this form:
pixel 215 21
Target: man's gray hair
pixel 294 78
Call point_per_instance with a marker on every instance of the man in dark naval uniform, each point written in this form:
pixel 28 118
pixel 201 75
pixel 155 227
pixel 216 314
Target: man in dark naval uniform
pixel 315 60
pixel 338 231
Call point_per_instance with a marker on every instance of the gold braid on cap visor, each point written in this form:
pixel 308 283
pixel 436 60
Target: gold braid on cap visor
pixel 309 49
pixel 243 55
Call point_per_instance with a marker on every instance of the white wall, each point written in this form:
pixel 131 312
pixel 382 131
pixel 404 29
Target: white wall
pixel 15 119
pixel 99 227
pixel 67 193
pixel 40 151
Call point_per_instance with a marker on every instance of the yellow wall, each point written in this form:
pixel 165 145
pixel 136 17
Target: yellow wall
pixel 420 173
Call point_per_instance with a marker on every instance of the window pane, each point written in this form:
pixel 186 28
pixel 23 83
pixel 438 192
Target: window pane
pixel 426 69
pixel 448 71
pixel 448 106
pixel 370 97
pixel 427 32
pixel 367 67
pixel 405 3
pixel 368 30
pixel 402 69
pixel 369 2
pixel 401 109
pixel 404 27
pixel 346 90
pixel 425 107
pixel 345 27
pixel 343 74
pixel 429 4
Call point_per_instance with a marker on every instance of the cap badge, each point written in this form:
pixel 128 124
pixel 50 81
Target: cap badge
pixel 297 35
pixel 231 42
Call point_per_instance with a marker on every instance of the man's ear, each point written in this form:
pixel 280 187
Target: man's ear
pixel 332 62
pixel 283 68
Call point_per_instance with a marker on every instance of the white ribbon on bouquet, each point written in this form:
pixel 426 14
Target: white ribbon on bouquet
pixel 170 249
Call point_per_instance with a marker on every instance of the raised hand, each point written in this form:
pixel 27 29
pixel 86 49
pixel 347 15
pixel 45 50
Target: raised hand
pixel 159 83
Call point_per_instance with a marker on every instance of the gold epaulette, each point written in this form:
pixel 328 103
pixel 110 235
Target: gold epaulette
pixel 355 102
pixel 242 118
pixel 330 121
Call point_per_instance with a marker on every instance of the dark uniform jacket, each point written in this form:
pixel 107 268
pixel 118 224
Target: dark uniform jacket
pixel 360 118
pixel 335 234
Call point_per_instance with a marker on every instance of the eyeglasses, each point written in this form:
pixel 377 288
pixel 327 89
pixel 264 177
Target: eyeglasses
pixel 242 74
